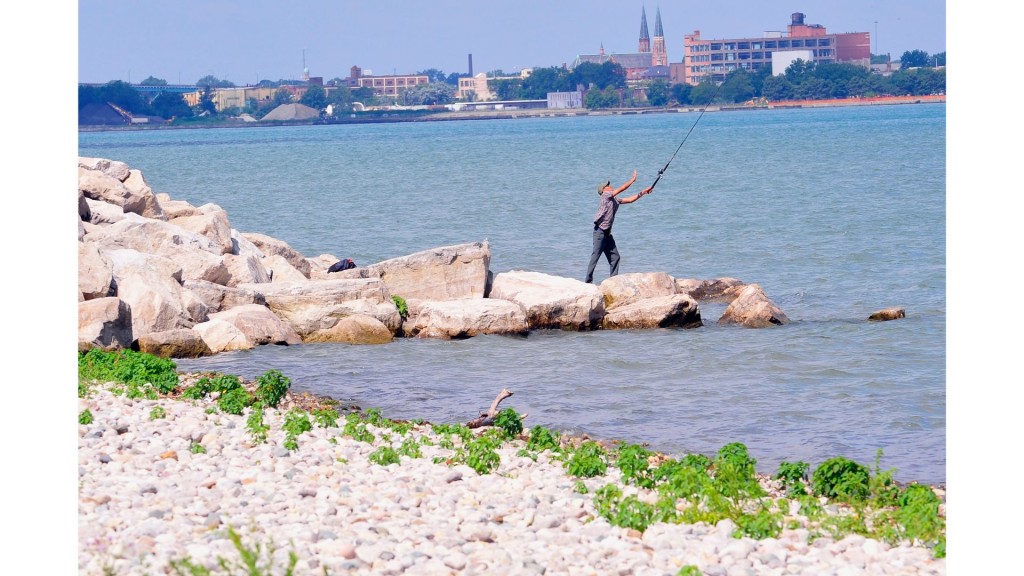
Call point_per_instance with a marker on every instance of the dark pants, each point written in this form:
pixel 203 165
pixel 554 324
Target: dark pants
pixel 603 244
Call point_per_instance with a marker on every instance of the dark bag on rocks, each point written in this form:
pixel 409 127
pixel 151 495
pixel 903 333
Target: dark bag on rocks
pixel 340 265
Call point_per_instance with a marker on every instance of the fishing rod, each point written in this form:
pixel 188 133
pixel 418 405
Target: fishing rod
pixel 662 171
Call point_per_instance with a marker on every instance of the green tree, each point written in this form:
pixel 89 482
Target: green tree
pixel 607 98
pixel 737 87
pixel 282 97
pixel 777 88
pixel 657 93
pixel 681 93
pixel 433 75
pixel 214 82
pixel 543 80
pixel 453 78
pixel 151 81
pixel 206 103
pixel 121 94
pixel 508 89
pixel 703 93
pixel 799 71
pixel 600 76
pixel 428 94
pixel 171 105
pixel 915 59
pixel 315 97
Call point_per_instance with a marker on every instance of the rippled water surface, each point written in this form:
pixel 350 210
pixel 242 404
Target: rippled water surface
pixel 836 213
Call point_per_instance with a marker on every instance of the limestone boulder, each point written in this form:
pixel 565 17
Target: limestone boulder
pixel 673 311
pixel 281 270
pixel 113 168
pixel 95 275
pixel 319 265
pixel 104 323
pixel 151 236
pixel 222 336
pixel 146 203
pixel 242 247
pixel 212 224
pixel 101 213
pixel 752 308
pixel 315 305
pixel 625 289
pixel 259 324
pixel 151 286
pixel 83 207
pixel 270 246
pixel 180 343
pixel 718 290
pixel 217 297
pixel 175 208
pixel 551 301
pixel 886 314
pixel 464 318
pixel 354 329
pixel 245 269
pixel 445 273
pixel 101 186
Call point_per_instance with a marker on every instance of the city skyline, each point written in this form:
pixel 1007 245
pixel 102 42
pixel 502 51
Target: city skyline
pixel 245 42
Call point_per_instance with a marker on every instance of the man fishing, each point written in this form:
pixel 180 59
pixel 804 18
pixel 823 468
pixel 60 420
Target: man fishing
pixel 604 242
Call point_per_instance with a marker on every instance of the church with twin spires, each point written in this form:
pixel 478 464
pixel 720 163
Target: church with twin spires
pixel 649 62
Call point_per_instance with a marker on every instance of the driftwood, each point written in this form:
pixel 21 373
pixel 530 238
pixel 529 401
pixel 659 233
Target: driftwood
pixel 487 418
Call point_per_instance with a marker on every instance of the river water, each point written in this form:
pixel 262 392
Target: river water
pixel 835 212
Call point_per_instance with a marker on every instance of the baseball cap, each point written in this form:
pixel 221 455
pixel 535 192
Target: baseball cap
pixel 601 187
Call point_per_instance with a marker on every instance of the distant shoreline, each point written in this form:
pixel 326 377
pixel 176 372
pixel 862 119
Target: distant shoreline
pixel 544 113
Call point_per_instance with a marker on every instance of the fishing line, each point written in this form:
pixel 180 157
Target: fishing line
pixel 662 171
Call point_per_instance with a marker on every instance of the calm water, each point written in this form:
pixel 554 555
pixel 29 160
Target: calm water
pixel 836 213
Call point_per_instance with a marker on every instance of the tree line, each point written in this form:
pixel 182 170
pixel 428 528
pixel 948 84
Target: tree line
pixel 604 86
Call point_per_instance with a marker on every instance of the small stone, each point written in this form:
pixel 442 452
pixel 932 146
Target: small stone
pixel 169 454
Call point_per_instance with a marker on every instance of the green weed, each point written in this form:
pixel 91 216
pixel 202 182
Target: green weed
pixel 542 439
pixel 841 479
pixel 85 417
pixel 157 413
pixel 509 421
pixel 403 307
pixel 384 455
pixel 587 461
pixel 271 387
pixel 128 367
pixel 254 423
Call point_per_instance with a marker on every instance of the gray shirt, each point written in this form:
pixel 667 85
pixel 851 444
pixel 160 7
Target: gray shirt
pixel 606 211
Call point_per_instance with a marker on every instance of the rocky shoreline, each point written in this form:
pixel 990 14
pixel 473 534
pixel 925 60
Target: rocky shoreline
pixel 176 280
pixel 165 484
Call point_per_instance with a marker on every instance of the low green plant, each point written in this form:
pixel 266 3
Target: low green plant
pixel 384 455
pixel 587 461
pixel 272 387
pixel 326 418
pixel 841 479
pixel 917 518
pixel 793 476
pixel 580 487
pixel 234 401
pixel 255 560
pixel 128 367
pixel 410 448
pixel 197 448
pixel 356 429
pixel 296 422
pixel 542 439
pixel 403 307
pixel 689 570
pixel 254 423
pixel 85 417
pixel 157 413
pixel 510 422
pixel 759 525
pixel 631 459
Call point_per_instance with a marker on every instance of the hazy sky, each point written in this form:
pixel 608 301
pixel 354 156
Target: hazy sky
pixel 249 40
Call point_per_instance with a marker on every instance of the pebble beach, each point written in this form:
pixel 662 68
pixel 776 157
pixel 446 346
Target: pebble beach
pixel 151 502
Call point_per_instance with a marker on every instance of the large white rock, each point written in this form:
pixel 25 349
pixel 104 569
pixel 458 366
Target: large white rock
pixel 354 329
pixel 178 343
pixel 149 205
pixel 753 309
pixel 218 297
pixel 104 323
pixel 212 224
pixel 269 246
pixel 281 270
pixel 175 208
pixel 674 311
pixel 625 289
pixel 114 168
pixel 222 336
pixel 464 318
pixel 445 273
pixel 95 277
pixel 551 301
pixel 722 290
pixel 150 285
pixel 315 305
pixel 259 324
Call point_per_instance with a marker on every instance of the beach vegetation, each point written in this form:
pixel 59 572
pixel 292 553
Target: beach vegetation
pixel 326 417
pixel 85 417
pixel 197 448
pixel 384 455
pixel 411 448
pixel 542 439
pixel 841 479
pixel 128 367
pixel 510 422
pixel 234 401
pixel 254 424
pixel 253 560
pixel 157 413
pixel 271 388
pixel 400 303
pixel 296 422
pixel 587 461
pixel 689 570
pixel 793 476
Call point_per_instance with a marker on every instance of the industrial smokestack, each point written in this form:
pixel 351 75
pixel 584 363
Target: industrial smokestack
pixel 470 64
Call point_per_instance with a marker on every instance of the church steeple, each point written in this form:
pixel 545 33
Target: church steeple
pixel 659 57
pixel 645 38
